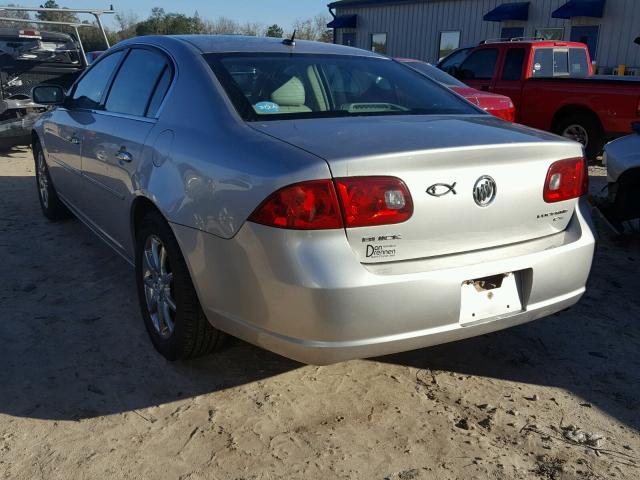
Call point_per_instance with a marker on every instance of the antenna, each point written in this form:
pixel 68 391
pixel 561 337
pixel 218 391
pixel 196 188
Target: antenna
pixel 290 42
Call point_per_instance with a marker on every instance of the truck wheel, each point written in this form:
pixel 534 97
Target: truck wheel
pixel 583 128
pixel 52 207
pixel 170 308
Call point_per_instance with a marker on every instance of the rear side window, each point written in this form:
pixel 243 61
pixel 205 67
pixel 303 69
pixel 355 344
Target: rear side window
pixel 543 62
pixel 136 82
pixel 480 65
pixel 513 64
pixel 90 89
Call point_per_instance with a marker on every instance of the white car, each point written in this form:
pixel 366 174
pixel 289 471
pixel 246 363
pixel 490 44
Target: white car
pixel 622 158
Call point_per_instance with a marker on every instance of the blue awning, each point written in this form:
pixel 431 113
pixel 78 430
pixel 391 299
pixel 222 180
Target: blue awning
pixel 508 11
pixel 580 8
pixel 343 21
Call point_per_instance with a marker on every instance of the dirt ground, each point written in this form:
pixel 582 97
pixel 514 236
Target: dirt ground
pixel 83 395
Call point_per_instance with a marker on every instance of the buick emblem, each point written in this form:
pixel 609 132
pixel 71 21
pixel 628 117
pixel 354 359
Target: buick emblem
pixel 484 191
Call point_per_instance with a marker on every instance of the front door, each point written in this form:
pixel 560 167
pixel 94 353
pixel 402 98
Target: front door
pixel 587 35
pixel 114 143
pixel 479 68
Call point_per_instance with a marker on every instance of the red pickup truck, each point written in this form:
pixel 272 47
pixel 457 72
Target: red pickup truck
pixel 552 86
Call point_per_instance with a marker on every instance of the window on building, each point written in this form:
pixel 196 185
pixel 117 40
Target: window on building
pixel 480 65
pixel 512 32
pixel 550 33
pixel 379 43
pixel 349 39
pixel 513 62
pixel 449 41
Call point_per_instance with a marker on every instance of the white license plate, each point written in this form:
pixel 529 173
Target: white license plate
pixel 490 297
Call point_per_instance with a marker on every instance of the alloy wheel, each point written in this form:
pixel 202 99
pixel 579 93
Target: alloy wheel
pixel 157 279
pixel 578 133
pixel 43 180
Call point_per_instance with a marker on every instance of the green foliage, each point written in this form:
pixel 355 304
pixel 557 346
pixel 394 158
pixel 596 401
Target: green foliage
pixel 56 16
pixel 275 30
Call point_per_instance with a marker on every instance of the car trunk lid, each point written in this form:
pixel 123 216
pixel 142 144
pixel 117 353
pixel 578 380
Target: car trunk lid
pixel 443 161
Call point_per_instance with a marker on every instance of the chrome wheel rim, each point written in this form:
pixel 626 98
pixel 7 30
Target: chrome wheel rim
pixel 43 180
pixel 578 133
pixel 157 278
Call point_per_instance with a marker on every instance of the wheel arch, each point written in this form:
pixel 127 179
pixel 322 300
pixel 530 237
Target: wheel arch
pixel 573 109
pixel 140 207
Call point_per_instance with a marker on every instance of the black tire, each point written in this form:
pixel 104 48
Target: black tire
pixel 592 127
pixel 627 201
pixel 52 206
pixel 192 334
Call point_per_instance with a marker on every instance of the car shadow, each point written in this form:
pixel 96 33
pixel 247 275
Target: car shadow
pixel 73 344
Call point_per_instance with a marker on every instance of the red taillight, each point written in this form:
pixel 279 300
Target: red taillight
pixel 566 179
pixel 309 205
pixel 314 205
pixel 368 201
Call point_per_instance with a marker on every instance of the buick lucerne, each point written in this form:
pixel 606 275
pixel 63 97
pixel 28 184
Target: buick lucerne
pixel 320 201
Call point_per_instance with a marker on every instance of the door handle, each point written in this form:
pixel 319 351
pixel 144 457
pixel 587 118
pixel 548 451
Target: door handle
pixel 123 156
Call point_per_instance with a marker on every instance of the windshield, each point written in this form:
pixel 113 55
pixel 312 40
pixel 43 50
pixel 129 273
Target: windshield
pixel 436 74
pixel 276 86
pixel 37 50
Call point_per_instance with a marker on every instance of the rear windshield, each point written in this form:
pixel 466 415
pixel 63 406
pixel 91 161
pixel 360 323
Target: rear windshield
pixel 558 62
pixel 436 74
pixel 37 50
pixel 278 86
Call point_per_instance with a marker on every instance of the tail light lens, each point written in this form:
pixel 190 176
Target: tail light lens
pixel 309 205
pixel 368 201
pixel 566 179
pixel 314 205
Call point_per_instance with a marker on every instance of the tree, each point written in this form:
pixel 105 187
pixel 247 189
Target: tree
pixel 127 22
pixel 56 16
pixel 275 31
pixel 313 29
pixel 14 14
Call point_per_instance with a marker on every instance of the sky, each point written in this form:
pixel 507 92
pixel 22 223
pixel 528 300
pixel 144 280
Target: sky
pixel 267 12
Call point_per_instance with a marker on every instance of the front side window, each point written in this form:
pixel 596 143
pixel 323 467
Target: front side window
pixel 135 82
pixel 379 43
pixel 449 41
pixel 92 86
pixel 276 86
pixel 451 63
pixel 480 65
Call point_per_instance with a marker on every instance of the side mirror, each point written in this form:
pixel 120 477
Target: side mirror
pixel 635 126
pixel 48 95
pixel 454 71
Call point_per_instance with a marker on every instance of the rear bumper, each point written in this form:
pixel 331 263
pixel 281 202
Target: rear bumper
pixel 304 294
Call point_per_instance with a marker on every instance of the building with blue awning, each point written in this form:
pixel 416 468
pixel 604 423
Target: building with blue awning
pixel 431 29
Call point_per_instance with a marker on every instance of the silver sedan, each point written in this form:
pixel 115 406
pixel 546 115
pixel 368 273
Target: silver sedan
pixel 320 201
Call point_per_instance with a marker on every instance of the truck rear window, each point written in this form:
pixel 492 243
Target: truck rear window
pixel 558 62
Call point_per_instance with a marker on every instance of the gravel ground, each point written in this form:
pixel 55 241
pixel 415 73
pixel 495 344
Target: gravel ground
pixel 84 395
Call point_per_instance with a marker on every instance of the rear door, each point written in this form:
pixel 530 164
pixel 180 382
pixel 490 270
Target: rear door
pixel 63 129
pixel 479 68
pixel 114 144
pixel 509 80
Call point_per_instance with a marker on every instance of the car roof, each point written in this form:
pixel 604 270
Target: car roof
pixel 534 43
pixel 240 43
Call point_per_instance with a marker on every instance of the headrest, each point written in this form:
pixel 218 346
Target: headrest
pixel 289 94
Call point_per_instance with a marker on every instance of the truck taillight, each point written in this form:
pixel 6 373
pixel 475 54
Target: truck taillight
pixel 315 205
pixel 566 179
pixel 368 201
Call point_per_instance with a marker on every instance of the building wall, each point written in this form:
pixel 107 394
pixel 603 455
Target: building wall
pixel 413 29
